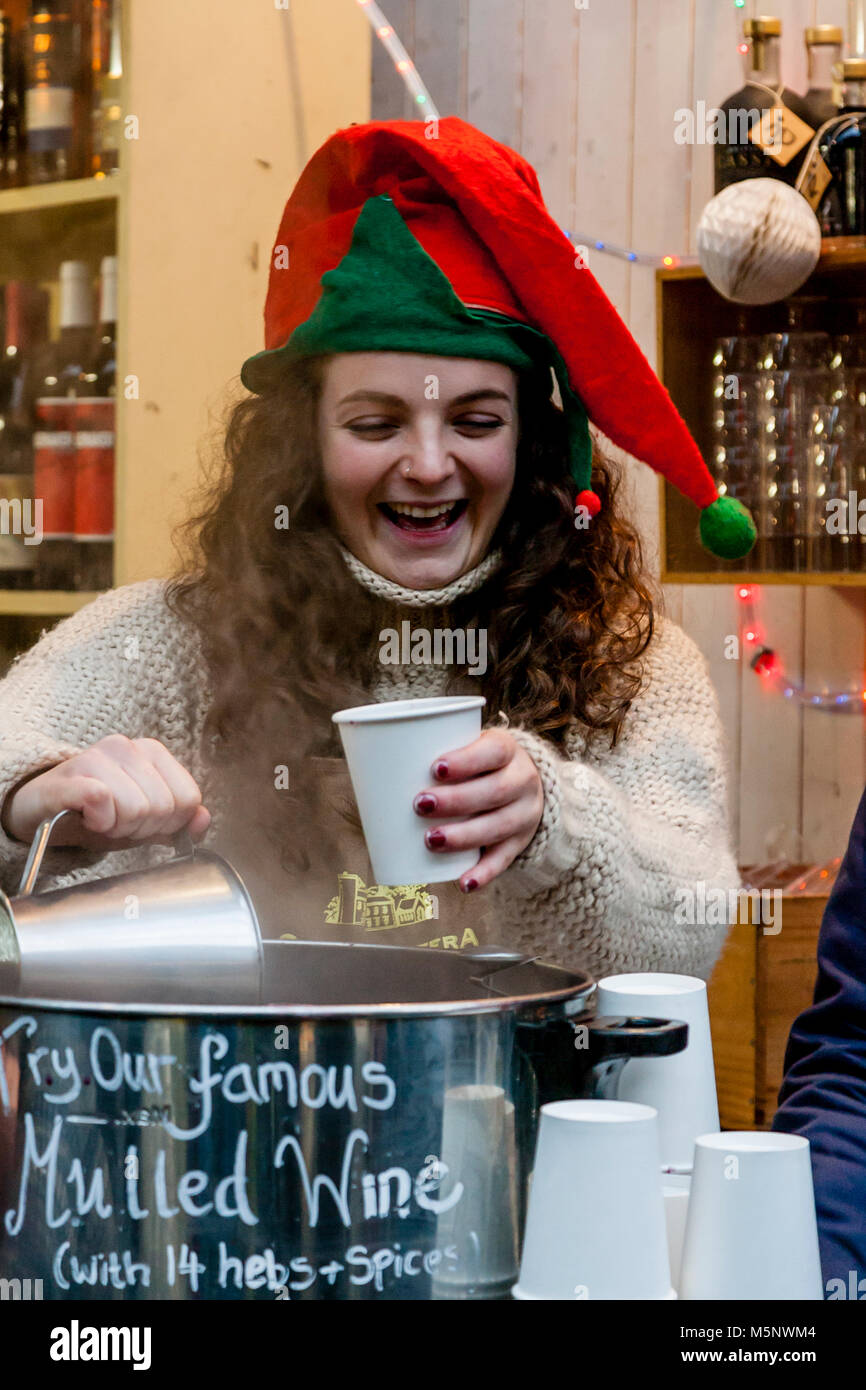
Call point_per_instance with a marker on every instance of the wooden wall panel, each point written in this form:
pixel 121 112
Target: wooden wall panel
pixel 494 65
pixel 550 100
pixel 663 56
pixel 834 763
pixel 389 100
pixel 440 42
pixel 717 71
pixel 771 754
pixel 604 134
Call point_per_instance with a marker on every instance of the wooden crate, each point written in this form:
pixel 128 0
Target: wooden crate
pixel 759 986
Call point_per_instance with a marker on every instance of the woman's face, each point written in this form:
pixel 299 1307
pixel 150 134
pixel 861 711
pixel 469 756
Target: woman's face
pixel 418 456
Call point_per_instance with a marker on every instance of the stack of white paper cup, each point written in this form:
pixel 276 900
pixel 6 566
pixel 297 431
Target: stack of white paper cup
pixel 675 1190
pixel 681 1087
pixel 390 751
pixel 595 1227
pixel 751 1230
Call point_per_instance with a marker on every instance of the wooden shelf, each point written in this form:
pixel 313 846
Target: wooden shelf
pixel 37 197
pixel 690 315
pixel 828 580
pixel 49 603
pixel 837 253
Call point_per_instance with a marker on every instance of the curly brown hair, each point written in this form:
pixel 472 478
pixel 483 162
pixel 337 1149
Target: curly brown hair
pixel 289 636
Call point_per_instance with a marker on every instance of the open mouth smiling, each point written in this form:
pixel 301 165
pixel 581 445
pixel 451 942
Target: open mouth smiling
pixel 435 518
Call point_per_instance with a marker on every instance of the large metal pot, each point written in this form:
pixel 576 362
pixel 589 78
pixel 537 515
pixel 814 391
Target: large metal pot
pixel 366 1130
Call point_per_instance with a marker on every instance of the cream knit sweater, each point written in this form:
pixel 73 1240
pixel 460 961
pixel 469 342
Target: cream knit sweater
pixel 625 836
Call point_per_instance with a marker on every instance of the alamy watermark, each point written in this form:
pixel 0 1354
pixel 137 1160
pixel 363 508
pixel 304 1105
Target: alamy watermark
pixel 710 125
pixel 21 1290
pixel 700 905
pixel 441 646
pixel 22 518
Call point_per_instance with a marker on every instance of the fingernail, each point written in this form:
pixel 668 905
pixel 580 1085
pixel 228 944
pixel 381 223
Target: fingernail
pixel 470 885
pixel 425 804
pixel 440 770
pixel 435 838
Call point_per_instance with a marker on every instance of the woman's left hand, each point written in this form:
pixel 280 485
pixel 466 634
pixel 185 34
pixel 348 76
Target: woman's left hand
pixel 494 782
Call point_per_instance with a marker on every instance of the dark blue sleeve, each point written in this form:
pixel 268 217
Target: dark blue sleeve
pixel 823 1095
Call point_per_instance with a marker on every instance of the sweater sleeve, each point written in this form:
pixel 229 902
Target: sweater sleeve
pixel 631 868
pixel 112 668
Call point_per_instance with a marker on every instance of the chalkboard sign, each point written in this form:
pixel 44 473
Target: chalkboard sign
pixel 147 1158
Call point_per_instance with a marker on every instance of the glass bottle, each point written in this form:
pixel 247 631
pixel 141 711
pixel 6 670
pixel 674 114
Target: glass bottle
pixel 737 386
pixel 26 325
pixel 94 446
pixel 824 51
pixel 799 380
pixel 737 157
pixel 54 442
pixel 53 75
pixel 842 210
pixel 11 135
pixel 106 65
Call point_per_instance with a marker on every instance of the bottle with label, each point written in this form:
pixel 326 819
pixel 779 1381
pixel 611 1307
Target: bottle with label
pixel 842 152
pixel 52 98
pixel 53 442
pixel 824 51
pixel 11 133
pixel 106 66
pixel 94 446
pixel 26 326
pixel 782 142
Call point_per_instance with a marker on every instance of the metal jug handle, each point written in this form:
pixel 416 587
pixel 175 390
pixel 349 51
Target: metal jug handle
pixel 182 842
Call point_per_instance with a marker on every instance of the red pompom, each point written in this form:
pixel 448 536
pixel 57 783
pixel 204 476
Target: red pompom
pixel 590 500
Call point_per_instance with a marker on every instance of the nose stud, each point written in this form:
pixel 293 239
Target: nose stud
pixel 407 471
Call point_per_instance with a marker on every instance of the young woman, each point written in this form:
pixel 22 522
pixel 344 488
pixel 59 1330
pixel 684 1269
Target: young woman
pixel 396 517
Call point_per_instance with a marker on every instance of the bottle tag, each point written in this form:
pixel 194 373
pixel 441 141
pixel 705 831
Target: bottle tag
pixel 780 134
pixel 814 178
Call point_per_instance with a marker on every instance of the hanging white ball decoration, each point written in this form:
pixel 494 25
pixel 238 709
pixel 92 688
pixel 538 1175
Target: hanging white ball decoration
pixel 758 241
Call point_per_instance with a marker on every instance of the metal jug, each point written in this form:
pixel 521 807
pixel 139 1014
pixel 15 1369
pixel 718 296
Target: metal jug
pixel 183 930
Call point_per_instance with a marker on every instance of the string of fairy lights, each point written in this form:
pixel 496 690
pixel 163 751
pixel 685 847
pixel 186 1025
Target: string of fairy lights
pixel 766 663
pixel 764 660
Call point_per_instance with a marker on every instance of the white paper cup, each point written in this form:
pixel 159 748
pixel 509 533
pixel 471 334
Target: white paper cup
pixel 390 751
pixel 751 1230
pixel 682 1088
pixel 675 1190
pixel 595 1227
pixel 478 1145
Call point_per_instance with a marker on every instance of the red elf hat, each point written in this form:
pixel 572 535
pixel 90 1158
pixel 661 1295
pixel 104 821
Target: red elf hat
pixel 475 208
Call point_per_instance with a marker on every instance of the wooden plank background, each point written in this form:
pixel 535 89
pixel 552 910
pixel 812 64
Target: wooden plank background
pixel 588 95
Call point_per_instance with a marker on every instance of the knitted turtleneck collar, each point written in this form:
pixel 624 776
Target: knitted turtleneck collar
pixel 422 598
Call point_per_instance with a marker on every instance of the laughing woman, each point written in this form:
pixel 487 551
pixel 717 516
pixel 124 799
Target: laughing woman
pixel 402 468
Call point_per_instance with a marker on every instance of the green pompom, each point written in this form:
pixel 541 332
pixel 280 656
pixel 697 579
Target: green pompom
pixel 727 529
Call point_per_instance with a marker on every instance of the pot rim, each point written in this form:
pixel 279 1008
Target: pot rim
pixel 576 990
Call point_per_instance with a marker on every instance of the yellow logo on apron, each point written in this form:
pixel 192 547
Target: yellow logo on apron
pixel 380 908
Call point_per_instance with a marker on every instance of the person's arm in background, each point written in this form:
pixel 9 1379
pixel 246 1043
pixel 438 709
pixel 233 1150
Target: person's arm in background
pixel 823 1095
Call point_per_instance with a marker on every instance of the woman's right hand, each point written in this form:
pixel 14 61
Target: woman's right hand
pixel 127 791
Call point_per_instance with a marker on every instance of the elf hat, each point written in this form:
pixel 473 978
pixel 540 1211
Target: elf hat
pixel 430 237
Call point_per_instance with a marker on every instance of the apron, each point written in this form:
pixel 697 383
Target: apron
pixel 339 901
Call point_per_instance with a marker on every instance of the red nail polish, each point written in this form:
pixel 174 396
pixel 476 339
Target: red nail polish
pixel 470 885
pixel 425 804
pixel 440 770
pixel 435 838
